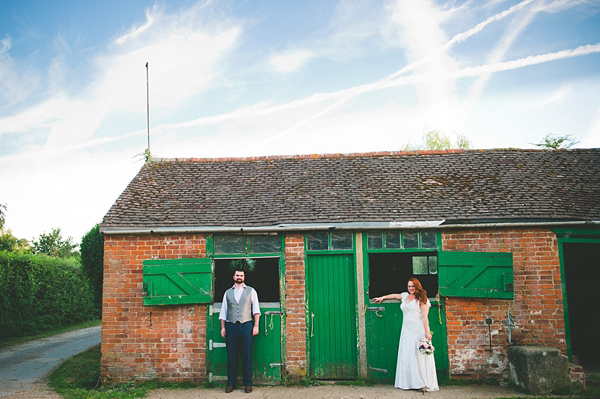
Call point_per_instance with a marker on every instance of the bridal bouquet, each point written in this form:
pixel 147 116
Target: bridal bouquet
pixel 425 347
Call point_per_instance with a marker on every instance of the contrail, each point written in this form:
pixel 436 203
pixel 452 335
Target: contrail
pixel 322 97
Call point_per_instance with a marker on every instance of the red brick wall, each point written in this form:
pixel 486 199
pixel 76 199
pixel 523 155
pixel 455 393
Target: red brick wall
pixel 295 297
pixel 537 308
pixel 165 342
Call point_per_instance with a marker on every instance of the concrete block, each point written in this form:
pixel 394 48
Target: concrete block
pixel 539 370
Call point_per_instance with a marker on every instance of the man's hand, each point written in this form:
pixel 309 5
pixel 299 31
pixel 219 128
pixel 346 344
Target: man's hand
pixel 255 329
pixel 223 332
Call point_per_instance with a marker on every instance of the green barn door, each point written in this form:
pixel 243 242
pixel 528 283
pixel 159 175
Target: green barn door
pixel 384 323
pixel 331 292
pixel 266 350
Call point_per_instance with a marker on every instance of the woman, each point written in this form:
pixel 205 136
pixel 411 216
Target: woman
pixel 414 370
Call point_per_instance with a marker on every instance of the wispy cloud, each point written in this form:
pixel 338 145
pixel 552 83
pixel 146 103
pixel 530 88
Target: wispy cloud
pixel 290 62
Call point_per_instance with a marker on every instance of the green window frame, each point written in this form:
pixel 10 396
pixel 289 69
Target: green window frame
pixel 402 239
pixel 329 241
pixel 246 243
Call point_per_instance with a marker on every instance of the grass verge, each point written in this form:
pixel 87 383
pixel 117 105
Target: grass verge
pixel 78 377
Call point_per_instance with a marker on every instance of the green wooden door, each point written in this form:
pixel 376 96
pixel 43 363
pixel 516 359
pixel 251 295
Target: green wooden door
pixel 266 351
pixel 331 294
pixel 384 322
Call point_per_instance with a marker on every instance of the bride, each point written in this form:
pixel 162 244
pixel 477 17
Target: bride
pixel 414 370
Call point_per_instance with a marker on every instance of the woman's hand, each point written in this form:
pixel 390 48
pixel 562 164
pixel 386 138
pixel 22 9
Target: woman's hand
pixel 428 336
pixel 379 299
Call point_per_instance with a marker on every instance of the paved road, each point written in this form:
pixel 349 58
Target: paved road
pixel 23 364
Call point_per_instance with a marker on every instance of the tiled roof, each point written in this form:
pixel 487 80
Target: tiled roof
pixel 456 186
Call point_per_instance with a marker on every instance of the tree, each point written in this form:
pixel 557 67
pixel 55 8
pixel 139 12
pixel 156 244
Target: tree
pixel 2 215
pixel 436 140
pixel 8 242
pixel 552 142
pixel 92 262
pixel 54 245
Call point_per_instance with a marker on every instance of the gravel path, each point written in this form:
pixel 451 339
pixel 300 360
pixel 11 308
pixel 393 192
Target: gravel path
pixel 40 391
pixel 340 392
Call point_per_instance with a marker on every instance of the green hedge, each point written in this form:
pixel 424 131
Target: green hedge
pixel 40 293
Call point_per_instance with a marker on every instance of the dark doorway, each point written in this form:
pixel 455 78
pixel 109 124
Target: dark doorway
pixel 582 275
pixel 264 278
pixel 389 272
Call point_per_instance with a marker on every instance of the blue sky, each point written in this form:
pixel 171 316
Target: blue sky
pixel 252 78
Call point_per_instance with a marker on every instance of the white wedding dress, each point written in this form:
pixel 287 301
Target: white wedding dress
pixel 414 370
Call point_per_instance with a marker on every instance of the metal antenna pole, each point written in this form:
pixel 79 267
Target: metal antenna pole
pixel 148 105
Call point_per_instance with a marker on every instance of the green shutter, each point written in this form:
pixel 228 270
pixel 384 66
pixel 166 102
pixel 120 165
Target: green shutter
pixel 476 274
pixel 177 281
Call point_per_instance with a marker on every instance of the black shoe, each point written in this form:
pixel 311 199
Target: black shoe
pixel 248 389
pixel 229 389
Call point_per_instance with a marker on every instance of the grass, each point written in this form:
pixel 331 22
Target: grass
pixel 18 340
pixel 78 377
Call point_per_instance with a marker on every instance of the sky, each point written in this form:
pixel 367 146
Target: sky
pixel 256 78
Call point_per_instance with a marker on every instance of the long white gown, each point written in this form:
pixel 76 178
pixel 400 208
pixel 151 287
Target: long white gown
pixel 414 370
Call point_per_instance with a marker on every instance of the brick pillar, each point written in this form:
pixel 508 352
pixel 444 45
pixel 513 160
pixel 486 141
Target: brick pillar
pixel 295 293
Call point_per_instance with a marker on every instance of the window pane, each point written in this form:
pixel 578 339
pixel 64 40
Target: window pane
pixel 316 241
pixel 375 240
pixel 411 239
pixel 419 265
pixel 341 240
pixel 428 239
pixel 392 239
pixel 264 244
pixel 230 244
pixel 433 265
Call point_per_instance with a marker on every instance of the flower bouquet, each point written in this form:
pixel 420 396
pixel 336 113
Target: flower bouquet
pixel 425 347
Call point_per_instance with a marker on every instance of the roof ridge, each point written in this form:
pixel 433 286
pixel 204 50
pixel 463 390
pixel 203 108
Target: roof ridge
pixel 348 155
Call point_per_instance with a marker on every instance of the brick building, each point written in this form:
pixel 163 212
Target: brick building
pixel 506 242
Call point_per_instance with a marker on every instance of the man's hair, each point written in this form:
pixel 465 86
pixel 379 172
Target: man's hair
pixel 238 269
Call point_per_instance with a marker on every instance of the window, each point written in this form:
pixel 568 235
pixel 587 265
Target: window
pixel 394 239
pixel 247 244
pixel 424 264
pixel 323 241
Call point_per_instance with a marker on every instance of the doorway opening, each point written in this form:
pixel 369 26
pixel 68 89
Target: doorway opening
pixel 389 272
pixel 582 274
pixel 264 278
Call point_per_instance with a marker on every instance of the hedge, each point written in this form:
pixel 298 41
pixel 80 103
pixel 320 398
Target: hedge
pixel 40 293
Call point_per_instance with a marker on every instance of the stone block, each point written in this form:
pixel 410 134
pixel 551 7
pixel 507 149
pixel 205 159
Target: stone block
pixel 539 370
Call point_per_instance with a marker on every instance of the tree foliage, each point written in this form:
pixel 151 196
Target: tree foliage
pixel 54 244
pixel 553 142
pixel 436 140
pixel 92 262
pixel 8 242
pixel 2 215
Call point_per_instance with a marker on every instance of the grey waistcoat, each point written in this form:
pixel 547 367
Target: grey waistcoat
pixel 242 311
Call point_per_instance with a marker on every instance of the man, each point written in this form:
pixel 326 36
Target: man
pixel 240 306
